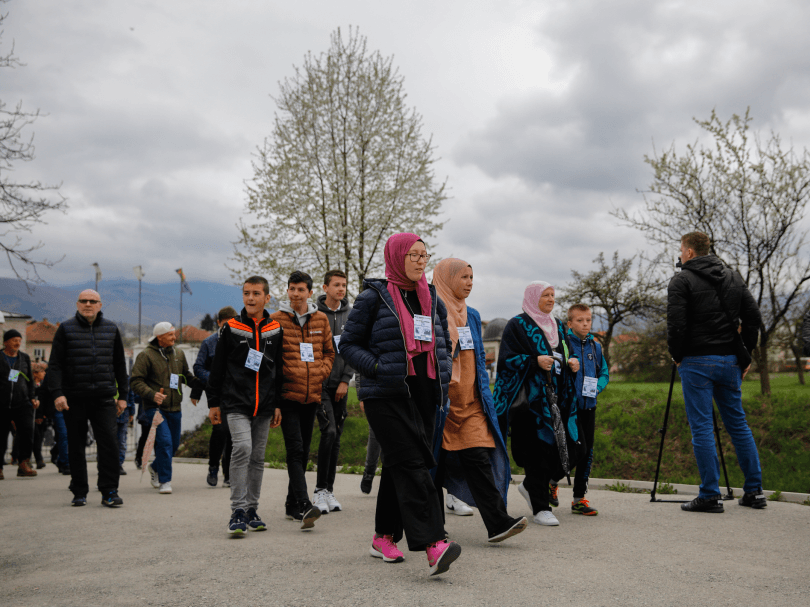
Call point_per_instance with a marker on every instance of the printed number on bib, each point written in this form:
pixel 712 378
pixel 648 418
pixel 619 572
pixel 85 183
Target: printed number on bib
pixel 307 354
pixel 254 360
pixel 421 328
pixel 589 387
pixel 13 376
pixel 337 343
pixel 465 340
pixel 174 381
pixel 557 362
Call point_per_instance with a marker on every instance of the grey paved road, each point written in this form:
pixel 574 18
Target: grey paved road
pixel 172 550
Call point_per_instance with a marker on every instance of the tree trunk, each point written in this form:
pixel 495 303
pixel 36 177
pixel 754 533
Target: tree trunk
pixel 764 371
pixel 797 354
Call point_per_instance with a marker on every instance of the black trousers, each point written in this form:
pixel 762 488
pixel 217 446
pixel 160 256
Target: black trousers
pixel 220 447
pixel 587 420
pixel 297 422
pixel 331 415
pixel 538 475
pixel 23 418
pixel 477 471
pixel 142 441
pixel 39 435
pixel 407 500
pixel 102 413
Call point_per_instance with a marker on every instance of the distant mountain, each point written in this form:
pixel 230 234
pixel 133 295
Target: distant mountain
pixel 120 300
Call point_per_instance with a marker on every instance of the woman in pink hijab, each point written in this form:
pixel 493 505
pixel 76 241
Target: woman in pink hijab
pixel 396 338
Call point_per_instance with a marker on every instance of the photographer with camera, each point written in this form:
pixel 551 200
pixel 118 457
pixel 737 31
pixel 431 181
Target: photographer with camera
pixel 712 326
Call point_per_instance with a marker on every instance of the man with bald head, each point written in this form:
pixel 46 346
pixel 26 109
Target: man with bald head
pixel 87 371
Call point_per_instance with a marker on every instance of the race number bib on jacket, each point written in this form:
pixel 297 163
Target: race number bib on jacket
pixel 174 381
pixel 465 340
pixel 589 385
pixel 254 360
pixel 13 376
pixel 307 354
pixel 421 328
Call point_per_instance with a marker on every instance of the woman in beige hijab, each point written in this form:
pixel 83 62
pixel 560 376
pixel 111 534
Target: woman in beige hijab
pixel 472 456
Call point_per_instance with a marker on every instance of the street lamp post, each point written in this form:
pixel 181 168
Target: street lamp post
pixel 139 274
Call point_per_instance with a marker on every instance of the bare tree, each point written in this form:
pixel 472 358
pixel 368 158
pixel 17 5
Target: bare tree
pixel 617 294
pixel 345 167
pixel 750 197
pixel 789 334
pixel 22 204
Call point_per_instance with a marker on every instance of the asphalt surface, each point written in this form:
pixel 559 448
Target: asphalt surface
pixel 173 550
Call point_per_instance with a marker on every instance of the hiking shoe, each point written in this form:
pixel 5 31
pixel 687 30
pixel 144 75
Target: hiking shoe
pixel 309 514
pixel 238 522
pixel 319 501
pixel 65 470
pixel 553 495
pixel 331 501
pixel 365 484
pixel 583 507
pixel 518 525
pixel 702 504
pixel 213 477
pixel 40 465
pixel 547 518
pixel 441 554
pixel 111 500
pixel 154 477
pixel 456 506
pixel 2 476
pixel 121 471
pixel 165 488
pixel 254 523
pixel 25 469
pixel 383 547
pixel 79 501
pixel 755 499
pixel 291 512
pixel 525 493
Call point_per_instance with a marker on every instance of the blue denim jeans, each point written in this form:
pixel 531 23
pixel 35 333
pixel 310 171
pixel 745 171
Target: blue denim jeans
pixel 167 440
pixel 718 377
pixel 60 429
pixel 122 442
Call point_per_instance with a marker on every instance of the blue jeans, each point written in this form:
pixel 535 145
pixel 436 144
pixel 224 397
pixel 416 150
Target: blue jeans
pixel 704 377
pixel 167 440
pixel 122 442
pixel 60 429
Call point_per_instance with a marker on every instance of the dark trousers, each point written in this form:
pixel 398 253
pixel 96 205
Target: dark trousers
pixel 23 418
pixel 537 479
pixel 142 441
pixel 587 420
pixel 297 422
pixel 477 471
pixel 331 415
pixel 407 500
pixel 39 435
pixel 102 413
pixel 220 447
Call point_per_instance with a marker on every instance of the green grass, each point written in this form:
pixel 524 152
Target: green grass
pixel 628 419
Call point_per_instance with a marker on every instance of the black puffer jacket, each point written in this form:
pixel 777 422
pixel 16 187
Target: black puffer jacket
pixel 696 322
pixel 87 359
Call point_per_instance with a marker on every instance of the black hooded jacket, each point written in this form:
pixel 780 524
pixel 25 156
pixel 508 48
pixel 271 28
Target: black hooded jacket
pixel 697 325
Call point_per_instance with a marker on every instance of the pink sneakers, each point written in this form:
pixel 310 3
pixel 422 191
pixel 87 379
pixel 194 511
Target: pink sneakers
pixel 383 547
pixel 441 555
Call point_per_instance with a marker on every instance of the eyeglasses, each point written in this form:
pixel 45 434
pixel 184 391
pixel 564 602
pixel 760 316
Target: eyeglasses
pixel 417 256
pixel 89 301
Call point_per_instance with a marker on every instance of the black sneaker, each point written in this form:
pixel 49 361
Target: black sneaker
pixel 365 484
pixel 238 523
pixel 516 526
pixel 212 478
pixel 111 500
pixel 291 512
pixel 701 504
pixel 64 470
pixel 254 523
pixel 755 499
pixel 309 514
pixel 138 464
pixel 121 471
pixel 79 501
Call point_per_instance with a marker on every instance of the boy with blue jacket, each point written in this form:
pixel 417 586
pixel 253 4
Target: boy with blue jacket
pixel 591 379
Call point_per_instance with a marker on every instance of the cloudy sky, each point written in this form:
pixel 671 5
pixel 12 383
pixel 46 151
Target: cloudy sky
pixel 541 113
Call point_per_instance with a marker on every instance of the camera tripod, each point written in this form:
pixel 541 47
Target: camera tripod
pixel 663 431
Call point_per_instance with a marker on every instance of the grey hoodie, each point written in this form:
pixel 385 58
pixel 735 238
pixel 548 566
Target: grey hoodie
pixel 285 306
pixel 341 371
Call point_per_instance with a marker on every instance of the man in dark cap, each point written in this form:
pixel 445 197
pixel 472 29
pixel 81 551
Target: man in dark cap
pixel 17 401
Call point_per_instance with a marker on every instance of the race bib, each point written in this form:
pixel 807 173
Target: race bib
pixel 337 343
pixel 589 387
pixel 557 362
pixel 254 360
pixel 307 354
pixel 13 376
pixel 465 340
pixel 174 381
pixel 421 328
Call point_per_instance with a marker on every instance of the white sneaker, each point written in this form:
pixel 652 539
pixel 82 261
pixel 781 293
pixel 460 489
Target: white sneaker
pixel 319 500
pixel 165 487
pixel 154 476
pixel 331 501
pixel 456 506
pixel 525 493
pixel 546 517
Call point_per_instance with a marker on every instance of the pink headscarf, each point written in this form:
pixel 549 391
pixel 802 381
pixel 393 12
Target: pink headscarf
pixel 531 299
pixel 396 248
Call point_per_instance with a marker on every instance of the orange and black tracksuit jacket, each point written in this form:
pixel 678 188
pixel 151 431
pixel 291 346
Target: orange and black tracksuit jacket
pixel 236 388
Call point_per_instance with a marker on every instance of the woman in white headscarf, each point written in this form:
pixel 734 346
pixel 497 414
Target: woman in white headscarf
pixel 534 353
